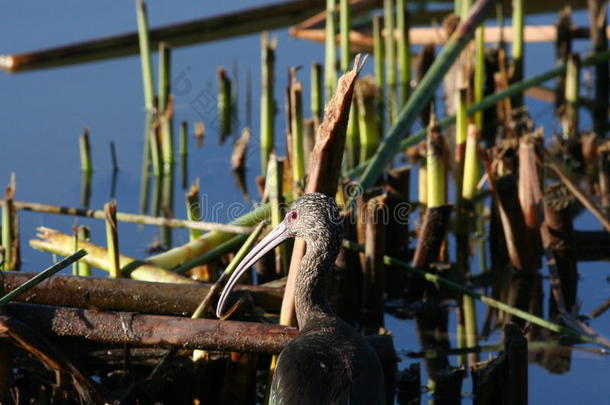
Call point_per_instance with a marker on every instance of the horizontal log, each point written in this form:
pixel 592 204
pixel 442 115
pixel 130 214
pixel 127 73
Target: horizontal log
pixel 127 328
pixel 125 294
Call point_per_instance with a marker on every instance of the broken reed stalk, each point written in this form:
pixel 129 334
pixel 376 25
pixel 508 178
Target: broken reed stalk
pixel 128 295
pixel 112 239
pixel 274 186
pixel 182 254
pixel 344 30
pixel 488 102
pixel 296 116
pixel 404 51
pixel 599 39
pixel 317 103
pixel 390 56
pixel 267 99
pixel 517 48
pixel 133 218
pixel 324 169
pixel 330 55
pixel 85 152
pixel 203 307
pixel 43 275
pixel 433 278
pixel 379 68
pixel 366 94
pixel 154 330
pixel 224 104
pixel 435 166
pixel 240 151
pixel 549 161
pixel 423 93
pixel 572 101
pixel 83 233
pixel 62 244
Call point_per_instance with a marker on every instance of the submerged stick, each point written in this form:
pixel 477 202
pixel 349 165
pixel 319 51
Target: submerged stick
pixel 43 275
pixel 133 218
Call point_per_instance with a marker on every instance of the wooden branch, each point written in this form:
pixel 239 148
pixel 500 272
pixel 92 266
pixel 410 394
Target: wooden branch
pixel 126 295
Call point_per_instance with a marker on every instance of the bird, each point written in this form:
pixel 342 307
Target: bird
pixel 328 362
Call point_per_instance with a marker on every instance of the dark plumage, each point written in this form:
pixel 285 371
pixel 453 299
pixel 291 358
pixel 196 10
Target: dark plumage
pixel 328 362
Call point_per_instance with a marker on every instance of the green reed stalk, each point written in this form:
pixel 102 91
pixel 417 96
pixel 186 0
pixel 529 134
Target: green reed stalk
pixel 85 152
pixel 40 277
pixel 267 99
pixel 112 239
pixel 404 52
pixel 344 28
pixel 145 55
pixel 479 72
pixel 167 118
pixel 83 233
pixel 317 104
pixel 193 208
pixel 155 148
pixel 472 169
pixel 296 125
pixel 352 137
pixel 390 54
pixel 464 9
pixel 224 103
pixel 572 92
pixel 366 93
pixel 164 75
pixel 435 165
pixel 379 56
pixel 183 150
pixel 8 213
pixel 517 48
pixel 330 58
pixel 274 183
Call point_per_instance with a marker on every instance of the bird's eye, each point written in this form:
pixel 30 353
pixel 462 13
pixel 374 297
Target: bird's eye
pixel 291 216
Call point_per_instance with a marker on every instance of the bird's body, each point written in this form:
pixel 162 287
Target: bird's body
pixel 328 362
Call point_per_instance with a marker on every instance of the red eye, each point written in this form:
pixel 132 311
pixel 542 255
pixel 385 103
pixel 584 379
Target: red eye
pixel 291 216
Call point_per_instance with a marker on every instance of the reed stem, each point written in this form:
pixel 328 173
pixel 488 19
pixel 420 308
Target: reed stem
pixel 479 72
pixel 296 116
pixel 166 117
pixel 435 164
pixel 390 54
pixel 404 51
pixel 8 229
pixel 572 97
pixel 112 239
pixel 224 104
pixel 517 48
pixel 366 94
pixel 164 75
pixel 145 55
pixel 344 27
pixel 267 99
pixel 317 105
pixel 274 185
pixel 193 208
pixel 379 56
pixel 212 254
pixel 85 152
pixel 330 59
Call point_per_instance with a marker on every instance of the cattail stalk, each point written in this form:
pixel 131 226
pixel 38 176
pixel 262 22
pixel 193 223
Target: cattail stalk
pixel 85 152
pixel 330 58
pixel 267 99
pixel 344 27
pixel 404 51
pixel 112 239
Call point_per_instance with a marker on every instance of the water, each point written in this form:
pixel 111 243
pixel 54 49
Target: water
pixel 43 112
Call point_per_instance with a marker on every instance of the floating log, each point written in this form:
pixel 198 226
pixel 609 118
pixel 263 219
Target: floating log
pixel 126 295
pixel 175 35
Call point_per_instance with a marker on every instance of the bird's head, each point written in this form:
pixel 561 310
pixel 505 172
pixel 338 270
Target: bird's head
pixel 313 217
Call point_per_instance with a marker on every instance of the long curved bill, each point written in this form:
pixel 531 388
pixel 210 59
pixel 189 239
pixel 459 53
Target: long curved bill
pixel 275 237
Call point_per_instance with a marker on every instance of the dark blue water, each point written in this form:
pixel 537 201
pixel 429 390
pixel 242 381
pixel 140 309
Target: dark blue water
pixel 43 112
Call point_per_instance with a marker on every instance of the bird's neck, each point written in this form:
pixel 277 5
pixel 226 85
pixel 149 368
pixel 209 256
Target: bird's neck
pixel 311 301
